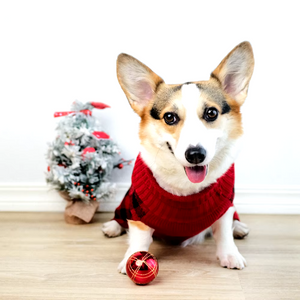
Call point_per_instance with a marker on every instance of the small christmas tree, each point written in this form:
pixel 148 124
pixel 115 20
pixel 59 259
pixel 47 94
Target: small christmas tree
pixel 81 158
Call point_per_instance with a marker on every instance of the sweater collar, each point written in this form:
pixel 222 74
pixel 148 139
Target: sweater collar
pixel 147 187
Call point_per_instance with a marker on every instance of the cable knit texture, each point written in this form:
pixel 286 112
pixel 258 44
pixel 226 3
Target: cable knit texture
pixel 174 218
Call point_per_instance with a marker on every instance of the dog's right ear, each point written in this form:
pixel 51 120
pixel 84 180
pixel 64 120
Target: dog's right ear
pixel 138 82
pixel 235 71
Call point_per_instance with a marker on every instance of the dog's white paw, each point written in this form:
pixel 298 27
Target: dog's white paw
pixel 231 259
pixel 112 228
pixel 122 266
pixel 240 230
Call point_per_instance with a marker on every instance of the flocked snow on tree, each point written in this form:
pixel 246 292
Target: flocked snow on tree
pixel 81 158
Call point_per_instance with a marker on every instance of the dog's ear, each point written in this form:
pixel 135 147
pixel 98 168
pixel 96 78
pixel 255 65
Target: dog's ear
pixel 138 82
pixel 235 71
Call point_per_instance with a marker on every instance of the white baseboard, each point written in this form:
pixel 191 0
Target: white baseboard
pixel 249 199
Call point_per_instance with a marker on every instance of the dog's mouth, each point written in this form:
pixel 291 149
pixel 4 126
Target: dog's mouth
pixel 196 174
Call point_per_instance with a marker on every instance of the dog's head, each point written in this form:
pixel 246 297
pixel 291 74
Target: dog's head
pixel 190 121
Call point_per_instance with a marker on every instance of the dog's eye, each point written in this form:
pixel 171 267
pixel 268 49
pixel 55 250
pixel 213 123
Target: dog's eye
pixel 171 118
pixel 210 114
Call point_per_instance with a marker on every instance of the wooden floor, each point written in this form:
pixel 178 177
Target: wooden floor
pixel 42 257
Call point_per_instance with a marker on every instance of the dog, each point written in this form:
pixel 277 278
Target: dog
pixel 183 179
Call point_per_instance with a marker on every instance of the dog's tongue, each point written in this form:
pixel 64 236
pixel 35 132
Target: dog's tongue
pixel 196 174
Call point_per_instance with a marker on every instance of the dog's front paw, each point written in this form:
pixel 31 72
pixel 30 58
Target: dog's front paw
pixel 112 228
pixel 122 266
pixel 231 259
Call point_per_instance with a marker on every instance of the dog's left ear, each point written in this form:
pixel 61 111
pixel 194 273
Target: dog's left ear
pixel 235 71
pixel 138 82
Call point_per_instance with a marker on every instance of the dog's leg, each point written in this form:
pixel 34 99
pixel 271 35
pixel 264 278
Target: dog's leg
pixel 240 230
pixel 112 228
pixel 197 239
pixel 227 251
pixel 140 239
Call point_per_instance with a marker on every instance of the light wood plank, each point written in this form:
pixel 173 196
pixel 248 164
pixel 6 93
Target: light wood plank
pixel 42 257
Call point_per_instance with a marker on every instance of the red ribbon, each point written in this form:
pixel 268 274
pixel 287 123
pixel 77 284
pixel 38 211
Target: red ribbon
pixel 65 113
pixel 99 105
pixel 101 135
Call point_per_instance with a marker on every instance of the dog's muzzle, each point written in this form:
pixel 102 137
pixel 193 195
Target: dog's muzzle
pixel 195 155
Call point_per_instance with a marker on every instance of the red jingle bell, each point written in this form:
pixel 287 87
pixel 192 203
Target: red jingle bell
pixel 142 267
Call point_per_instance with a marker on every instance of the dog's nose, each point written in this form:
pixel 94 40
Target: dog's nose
pixel 195 155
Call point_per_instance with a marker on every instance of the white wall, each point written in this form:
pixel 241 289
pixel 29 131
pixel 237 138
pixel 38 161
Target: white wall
pixel 53 52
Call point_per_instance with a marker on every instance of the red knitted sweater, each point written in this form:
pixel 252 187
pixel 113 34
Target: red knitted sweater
pixel 174 218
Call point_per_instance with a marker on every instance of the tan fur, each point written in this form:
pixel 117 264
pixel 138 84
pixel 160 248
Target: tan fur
pixel 234 117
pixel 140 225
pixel 175 130
pixel 163 96
pixel 235 121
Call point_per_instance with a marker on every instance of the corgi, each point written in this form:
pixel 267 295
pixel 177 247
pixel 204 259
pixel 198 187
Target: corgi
pixel 183 179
